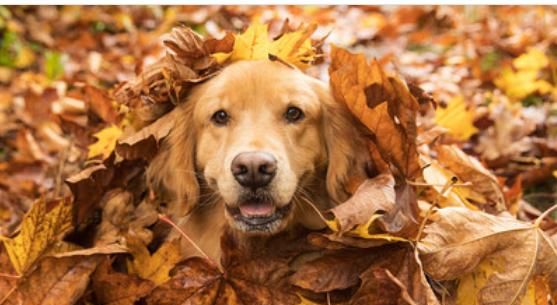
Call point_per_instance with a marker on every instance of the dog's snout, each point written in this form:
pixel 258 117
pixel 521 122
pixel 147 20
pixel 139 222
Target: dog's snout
pixel 254 169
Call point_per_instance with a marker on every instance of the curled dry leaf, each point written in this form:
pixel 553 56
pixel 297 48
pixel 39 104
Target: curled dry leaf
pixel 382 274
pixel 188 61
pixel 469 169
pixel 101 104
pixel 55 281
pixel 144 143
pixel 40 230
pixel 373 196
pixel 458 240
pixel 382 103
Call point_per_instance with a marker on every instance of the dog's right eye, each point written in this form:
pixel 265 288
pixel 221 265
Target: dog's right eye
pixel 220 117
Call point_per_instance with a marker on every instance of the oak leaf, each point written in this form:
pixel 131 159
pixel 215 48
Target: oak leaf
pixel 459 240
pixel 40 230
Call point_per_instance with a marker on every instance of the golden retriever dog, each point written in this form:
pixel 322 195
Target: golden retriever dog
pixel 251 149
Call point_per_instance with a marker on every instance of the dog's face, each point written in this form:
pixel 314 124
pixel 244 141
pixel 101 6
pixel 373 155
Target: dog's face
pixel 259 135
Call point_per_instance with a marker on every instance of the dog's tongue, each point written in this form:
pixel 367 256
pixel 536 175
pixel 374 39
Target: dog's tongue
pixel 256 209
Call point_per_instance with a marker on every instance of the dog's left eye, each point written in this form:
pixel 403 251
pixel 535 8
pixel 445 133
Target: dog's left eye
pixel 293 114
pixel 220 117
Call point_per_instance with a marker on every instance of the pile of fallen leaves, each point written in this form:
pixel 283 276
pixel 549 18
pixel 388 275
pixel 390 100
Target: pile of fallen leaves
pixel 432 224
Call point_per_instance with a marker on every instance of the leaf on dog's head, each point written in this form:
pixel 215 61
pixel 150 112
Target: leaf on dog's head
pixel 294 47
pixel 459 240
pixel 40 230
pixel 382 103
pixel 106 142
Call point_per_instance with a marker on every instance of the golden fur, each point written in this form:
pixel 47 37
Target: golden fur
pixel 315 156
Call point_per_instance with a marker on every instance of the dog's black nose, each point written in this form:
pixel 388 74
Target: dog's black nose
pixel 254 169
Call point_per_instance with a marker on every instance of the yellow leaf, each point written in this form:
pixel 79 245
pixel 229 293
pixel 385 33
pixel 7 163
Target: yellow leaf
pixel 106 143
pixel 295 47
pixel 520 84
pixel 469 285
pixel 153 267
pixel 502 255
pixel 524 81
pixel 254 44
pixel 40 231
pixel 534 59
pixel 25 58
pixel 457 119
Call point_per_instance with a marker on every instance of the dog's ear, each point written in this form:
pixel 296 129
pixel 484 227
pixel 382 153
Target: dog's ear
pixel 346 145
pixel 172 173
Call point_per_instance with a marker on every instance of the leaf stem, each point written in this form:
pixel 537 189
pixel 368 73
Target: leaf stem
pixel 197 248
pixel 544 215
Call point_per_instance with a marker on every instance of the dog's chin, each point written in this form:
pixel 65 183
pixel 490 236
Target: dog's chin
pixel 255 216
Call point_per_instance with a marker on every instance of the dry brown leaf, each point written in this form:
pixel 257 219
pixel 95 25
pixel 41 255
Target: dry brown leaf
pixel 144 144
pixel 469 169
pixel 55 281
pixel 101 104
pixel 459 239
pixel 382 103
pixel 372 196
pixel 116 288
pixel 199 282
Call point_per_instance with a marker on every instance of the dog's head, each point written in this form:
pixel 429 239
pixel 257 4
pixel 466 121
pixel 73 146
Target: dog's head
pixel 260 137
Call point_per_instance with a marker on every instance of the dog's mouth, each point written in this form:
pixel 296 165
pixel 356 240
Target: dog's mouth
pixel 258 215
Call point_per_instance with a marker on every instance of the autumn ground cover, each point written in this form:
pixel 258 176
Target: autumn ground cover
pixel 461 101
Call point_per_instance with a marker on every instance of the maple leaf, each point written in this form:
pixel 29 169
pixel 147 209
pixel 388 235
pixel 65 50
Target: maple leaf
pixel 153 267
pixel 106 142
pixel 457 119
pixel 459 240
pixel 254 44
pixel 40 230
pixel 383 104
